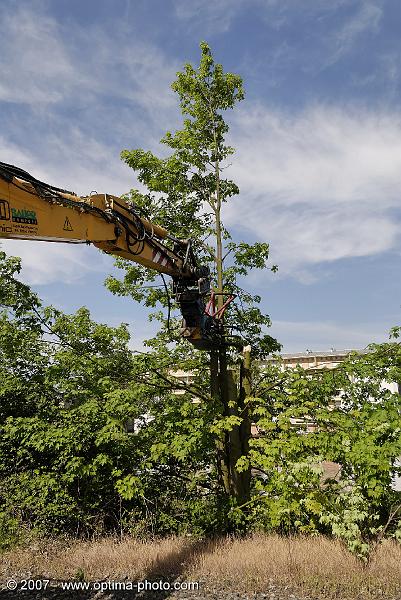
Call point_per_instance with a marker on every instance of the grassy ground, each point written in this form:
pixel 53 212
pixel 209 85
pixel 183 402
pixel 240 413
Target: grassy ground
pixel 315 567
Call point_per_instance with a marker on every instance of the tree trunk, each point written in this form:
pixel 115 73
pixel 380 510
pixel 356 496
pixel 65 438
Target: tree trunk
pixel 223 468
pixel 230 446
pixel 235 443
pixel 245 427
pixel 238 479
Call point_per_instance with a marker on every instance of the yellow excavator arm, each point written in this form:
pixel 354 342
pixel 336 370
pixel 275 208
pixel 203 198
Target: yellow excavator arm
pixel 33 210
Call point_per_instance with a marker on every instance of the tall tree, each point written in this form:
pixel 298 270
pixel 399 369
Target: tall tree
pixel 187 191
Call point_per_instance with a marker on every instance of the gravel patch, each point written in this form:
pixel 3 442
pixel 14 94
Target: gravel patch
pixel 55 592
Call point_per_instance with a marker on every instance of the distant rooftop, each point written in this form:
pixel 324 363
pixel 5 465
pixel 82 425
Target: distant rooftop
pixel 319 354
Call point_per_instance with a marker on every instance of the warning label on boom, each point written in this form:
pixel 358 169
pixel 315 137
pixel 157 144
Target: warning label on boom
pixel 67 225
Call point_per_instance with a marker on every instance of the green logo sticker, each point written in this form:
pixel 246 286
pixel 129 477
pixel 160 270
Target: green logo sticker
pixel 24 216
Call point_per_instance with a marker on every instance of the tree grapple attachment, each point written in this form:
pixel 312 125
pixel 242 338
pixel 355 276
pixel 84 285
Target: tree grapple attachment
pixel 201 322
pixel 198 327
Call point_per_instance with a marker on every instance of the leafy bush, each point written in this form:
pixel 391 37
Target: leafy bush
pixel 354 421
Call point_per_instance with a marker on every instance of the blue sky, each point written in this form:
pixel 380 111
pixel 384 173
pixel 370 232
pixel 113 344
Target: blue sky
pixel 318 142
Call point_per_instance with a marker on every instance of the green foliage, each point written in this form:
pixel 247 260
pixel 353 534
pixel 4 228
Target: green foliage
pixel 10 533
pixel 346 415
pixel 64 400
pixel 349 517
pixel 68 388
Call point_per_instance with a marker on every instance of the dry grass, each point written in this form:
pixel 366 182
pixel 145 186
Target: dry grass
pixel 311 566
pixel 317 566
pixel 102 559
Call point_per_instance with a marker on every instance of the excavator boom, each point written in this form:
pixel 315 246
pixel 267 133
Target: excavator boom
pixel 33 210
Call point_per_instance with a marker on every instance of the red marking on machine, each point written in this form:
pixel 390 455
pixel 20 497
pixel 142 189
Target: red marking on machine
pixel 160 258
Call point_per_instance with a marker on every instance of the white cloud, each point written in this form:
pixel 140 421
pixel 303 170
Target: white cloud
pixel 46 62
pixel 299 336
pixel 34 65
pixel 73 162
pixel 365 20
pixel 67 78
pixel 44 263
pixel 217 16
pixel 212 17
pixel 319 185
